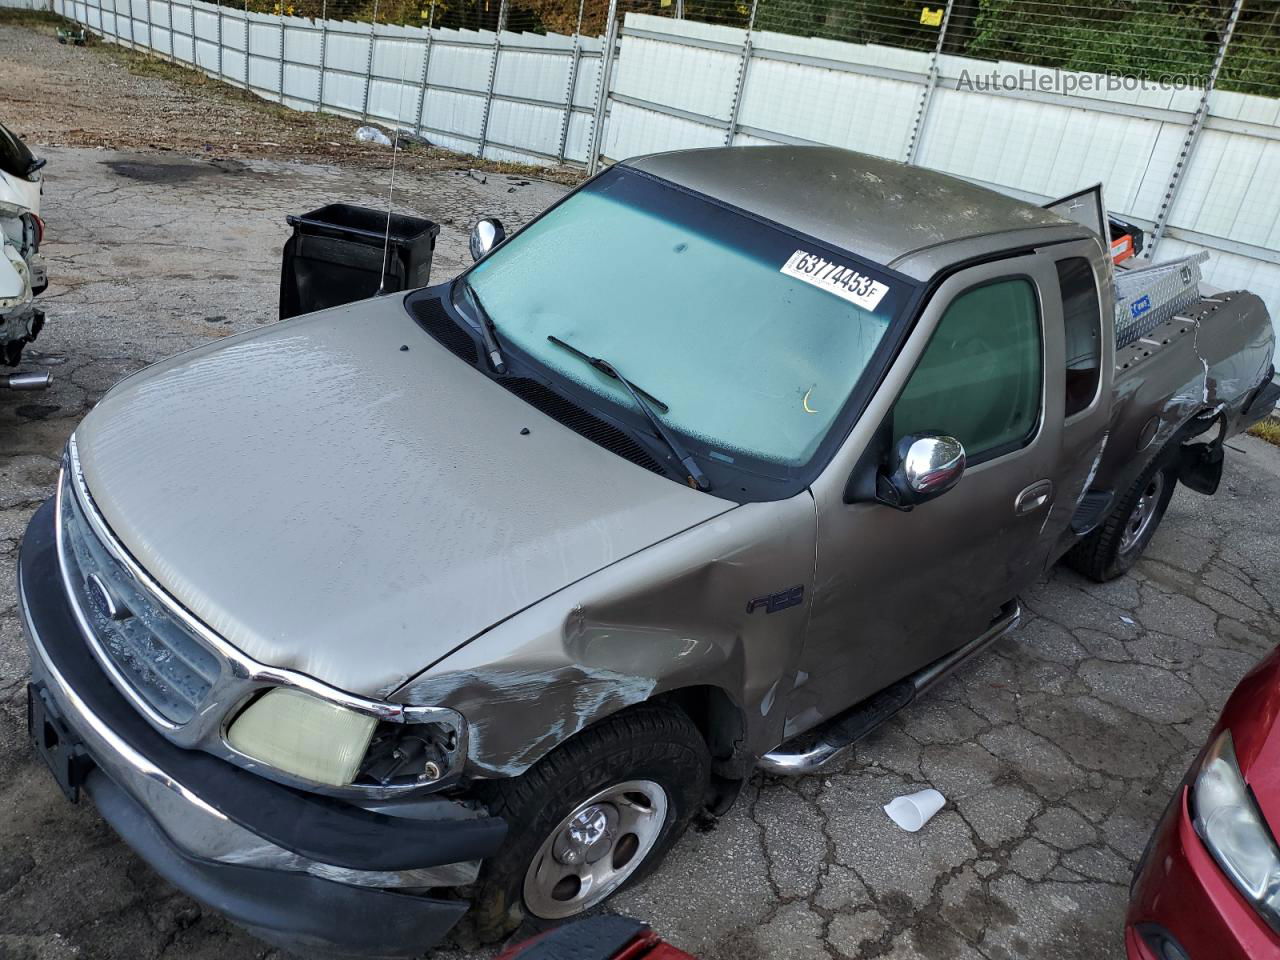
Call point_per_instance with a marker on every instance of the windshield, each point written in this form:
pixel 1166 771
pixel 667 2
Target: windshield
pixel 752 337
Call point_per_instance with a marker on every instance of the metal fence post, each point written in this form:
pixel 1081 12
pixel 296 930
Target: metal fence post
pixel 150 46
pixel 222 77
pixel 740 84
pixel 493 77
pixel 573 84
pixel 368 66
pixel 324 40
pixel 930 83
pixel 1193 135
pixel 602 89
pixel 248 44
pixel 426 68
pixel 280 71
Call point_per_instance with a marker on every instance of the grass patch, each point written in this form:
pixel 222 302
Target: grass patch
pixel 146 65
pixel 1268 430
pixel 33 18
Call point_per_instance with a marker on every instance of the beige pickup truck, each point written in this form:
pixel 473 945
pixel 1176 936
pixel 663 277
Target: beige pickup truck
pixel 453 608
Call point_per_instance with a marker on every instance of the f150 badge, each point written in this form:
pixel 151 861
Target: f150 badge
pixel 790 597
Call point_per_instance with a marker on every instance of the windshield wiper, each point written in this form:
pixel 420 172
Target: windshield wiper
pixel 646 402
pixel 488 332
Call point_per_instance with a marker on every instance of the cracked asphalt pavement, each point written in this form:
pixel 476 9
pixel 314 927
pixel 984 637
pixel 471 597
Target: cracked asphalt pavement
pixel 1057 749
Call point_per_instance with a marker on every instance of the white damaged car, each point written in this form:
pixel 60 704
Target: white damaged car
pixel 22 272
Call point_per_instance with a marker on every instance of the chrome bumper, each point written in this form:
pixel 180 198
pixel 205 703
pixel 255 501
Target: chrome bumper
pixel 196 827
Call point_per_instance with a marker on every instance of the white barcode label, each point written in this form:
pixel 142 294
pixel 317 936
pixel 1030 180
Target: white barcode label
pixel 845 282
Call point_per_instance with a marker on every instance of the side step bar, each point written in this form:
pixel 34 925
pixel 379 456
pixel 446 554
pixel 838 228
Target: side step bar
pixel 830 742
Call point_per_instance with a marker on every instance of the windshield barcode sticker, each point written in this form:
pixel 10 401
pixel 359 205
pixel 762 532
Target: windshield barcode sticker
pixel 845 282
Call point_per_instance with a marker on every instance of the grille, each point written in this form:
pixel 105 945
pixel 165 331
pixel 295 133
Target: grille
pixel 162 663
pixel 430 312
pixel 580 421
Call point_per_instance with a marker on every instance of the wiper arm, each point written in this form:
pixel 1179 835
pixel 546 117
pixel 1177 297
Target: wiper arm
pixel 646 402
pixel 488 332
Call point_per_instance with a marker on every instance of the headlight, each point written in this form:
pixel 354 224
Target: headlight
pixel 303 735
pixel 1233 830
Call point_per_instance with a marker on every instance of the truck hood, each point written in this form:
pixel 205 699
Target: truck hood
pixel 333 503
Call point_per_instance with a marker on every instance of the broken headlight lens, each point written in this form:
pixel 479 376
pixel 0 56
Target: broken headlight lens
pixel 411 754
pixel 303 735
pixel 1233 830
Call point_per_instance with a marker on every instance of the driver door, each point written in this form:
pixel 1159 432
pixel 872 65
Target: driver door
pixel 897 590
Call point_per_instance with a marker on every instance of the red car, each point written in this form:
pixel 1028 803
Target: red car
pixel 1208 885
pixel 603 937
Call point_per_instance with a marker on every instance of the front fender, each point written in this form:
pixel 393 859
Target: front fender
pixel 670 617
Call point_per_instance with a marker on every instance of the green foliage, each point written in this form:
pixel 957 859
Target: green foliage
pixel 894 23
pixel 1252 64
pixel 1151 39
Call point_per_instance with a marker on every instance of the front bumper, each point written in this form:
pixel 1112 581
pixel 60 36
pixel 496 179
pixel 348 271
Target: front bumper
pixel 298 870
pixel 1181 894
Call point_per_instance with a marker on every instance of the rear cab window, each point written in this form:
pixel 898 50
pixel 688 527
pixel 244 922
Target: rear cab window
pixel 1082 329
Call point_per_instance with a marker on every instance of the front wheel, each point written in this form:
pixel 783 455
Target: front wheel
pixel 596 814
pixel 1112 549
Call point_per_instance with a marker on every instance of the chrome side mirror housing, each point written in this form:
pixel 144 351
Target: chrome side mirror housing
pixel 486 235
pixel 925 466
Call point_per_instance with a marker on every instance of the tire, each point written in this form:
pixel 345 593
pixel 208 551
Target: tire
pixel 651 745
pixel 1112 549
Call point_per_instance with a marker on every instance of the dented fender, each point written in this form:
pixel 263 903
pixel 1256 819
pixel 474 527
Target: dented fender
pixel 1215 366
pixel 677 615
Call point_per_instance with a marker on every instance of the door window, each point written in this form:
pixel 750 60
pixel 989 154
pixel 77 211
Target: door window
pixel 1082 324
pixel 980 377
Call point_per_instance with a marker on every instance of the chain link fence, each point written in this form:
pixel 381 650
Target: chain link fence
pixel 1155 40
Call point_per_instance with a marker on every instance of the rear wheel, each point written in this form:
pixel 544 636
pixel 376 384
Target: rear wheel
pixel 596 814
pixel 1112 549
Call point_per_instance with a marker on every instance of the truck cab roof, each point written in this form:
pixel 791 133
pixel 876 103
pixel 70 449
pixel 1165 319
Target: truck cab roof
pixel 880 209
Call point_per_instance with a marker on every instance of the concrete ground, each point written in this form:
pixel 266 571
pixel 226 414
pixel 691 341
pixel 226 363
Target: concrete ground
pixel 1057 750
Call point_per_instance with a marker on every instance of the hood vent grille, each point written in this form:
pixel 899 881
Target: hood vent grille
pixel 430 312
pixel 581 421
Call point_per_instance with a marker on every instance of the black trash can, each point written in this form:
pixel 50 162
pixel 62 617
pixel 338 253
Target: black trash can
pixel 335 256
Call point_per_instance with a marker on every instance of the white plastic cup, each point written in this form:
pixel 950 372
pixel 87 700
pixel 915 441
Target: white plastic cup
pixel 915 809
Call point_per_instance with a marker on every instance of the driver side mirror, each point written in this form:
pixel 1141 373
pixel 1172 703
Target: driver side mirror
pixel 486 235
pixel 924 466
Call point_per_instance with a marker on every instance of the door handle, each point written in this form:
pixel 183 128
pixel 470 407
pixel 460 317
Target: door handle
pixel 1033 498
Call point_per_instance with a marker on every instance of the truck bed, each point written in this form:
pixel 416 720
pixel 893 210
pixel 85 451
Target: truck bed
pixel 1204 354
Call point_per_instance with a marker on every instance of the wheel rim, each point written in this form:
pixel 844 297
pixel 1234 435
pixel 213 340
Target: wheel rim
pixel 594 849
pixel 1143 514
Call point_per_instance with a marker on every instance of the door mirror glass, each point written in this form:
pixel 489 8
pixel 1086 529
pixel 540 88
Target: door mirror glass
pixel 925 466
pixel 486 235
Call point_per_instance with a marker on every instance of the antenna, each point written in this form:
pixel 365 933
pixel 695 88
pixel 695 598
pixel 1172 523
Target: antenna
pixel 391 193
pixel 397 128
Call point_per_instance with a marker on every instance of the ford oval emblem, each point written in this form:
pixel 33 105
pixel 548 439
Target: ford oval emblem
pixel 103 601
